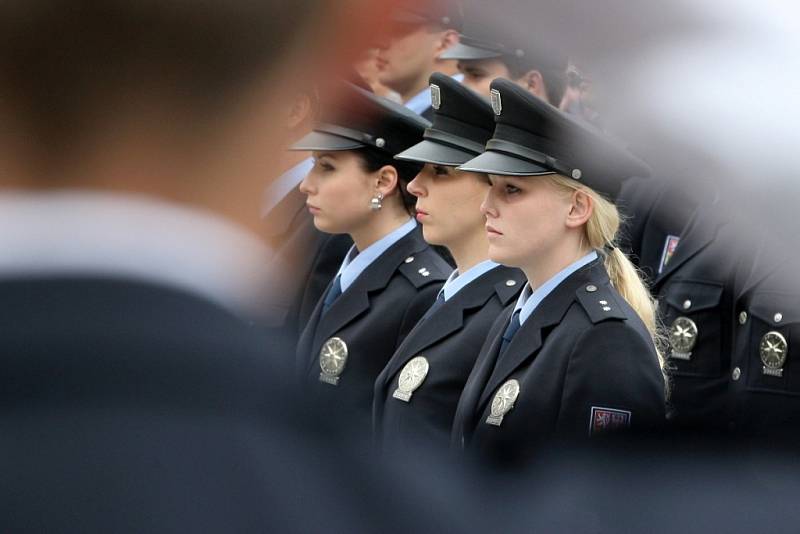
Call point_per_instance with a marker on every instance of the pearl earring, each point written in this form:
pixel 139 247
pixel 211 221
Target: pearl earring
pixel 376 202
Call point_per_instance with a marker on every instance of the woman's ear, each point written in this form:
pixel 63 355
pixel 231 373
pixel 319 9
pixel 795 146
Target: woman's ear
pixel 387 180
pixel 581 209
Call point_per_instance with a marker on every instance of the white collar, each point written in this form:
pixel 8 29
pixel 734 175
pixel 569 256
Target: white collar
pixel 84 232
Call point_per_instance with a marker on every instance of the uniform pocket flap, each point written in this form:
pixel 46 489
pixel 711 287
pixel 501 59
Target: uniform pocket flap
pixel 693 296
pixel 769 306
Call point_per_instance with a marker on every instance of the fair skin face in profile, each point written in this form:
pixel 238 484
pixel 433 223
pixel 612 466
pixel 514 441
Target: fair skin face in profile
pixel 406 62
pixel 448 207
pixel 534 225
pixel 479 73
pixel 339 190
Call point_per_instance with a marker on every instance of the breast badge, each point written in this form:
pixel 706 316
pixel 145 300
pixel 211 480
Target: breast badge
pixel 332 359
pixel 411 377
pixel 682 338
pixel 773 349
pixel 503 402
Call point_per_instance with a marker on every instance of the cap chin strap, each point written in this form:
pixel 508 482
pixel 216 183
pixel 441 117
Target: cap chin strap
pixel 454 141
pixel 499 145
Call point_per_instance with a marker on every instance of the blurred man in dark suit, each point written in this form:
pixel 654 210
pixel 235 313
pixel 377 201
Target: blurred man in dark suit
pixel 138 391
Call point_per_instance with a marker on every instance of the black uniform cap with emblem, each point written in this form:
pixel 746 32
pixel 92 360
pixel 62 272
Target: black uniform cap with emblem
pixel 462 124
pixel 533 138
pixel 360 119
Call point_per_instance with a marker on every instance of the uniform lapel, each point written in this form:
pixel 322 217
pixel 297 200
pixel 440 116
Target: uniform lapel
pixel 699 232
pixel 356 299
pixel 468 403
pixel 530 337
pixel 450 317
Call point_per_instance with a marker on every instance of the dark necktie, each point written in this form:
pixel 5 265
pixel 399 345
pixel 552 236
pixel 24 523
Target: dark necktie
pixel 333 293
pixel 508 335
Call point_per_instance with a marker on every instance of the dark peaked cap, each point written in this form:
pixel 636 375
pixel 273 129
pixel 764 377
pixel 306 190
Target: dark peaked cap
pixel 531 138
pixel 359 119
pixel 446 13
pixel 462 124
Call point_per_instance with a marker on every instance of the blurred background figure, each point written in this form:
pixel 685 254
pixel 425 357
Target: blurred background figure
pixel 367 68
pixel 577 98
pixel 486 50
pixel 412 48
pixel 139 393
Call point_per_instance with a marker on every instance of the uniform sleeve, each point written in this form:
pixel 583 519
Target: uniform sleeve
pixel 613 382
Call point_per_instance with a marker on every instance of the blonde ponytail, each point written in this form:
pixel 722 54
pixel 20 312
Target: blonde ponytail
pixel 601 233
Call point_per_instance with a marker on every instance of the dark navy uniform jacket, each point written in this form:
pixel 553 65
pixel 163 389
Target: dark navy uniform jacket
pixel 764 375
pixel 372 317
pixel 582 366
pixel 695 292
pixel 449 339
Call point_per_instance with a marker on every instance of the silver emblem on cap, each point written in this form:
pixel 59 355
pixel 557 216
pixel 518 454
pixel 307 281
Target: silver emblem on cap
pixel 380 142
pixel 497 102
pixel 576 173
pixel 519 52
pixel 436 96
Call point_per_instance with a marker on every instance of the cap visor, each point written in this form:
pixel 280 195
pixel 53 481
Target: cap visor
pixel 435 153
pixel 498 163
pixel 466 52
pixel 326 141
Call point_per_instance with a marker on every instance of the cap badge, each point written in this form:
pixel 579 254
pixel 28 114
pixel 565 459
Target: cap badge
pixel 497 102
pixel 436 96
pixel 576 174
pixel 380 142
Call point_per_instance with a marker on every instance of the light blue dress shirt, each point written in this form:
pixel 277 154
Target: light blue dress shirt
pixel 422 100
pixel 529 300
pixel 284 184
pixel 355 262
pixel 455 282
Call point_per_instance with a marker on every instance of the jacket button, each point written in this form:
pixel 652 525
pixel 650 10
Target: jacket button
pixel 409 259
pixel 591 288
pixel 737 373
pixel 511 283
pixel 742 317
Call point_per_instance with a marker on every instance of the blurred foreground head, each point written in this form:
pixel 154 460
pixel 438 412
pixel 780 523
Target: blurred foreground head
pixel 171 98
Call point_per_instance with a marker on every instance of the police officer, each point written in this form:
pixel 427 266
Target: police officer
pixel 763 399
pixel 485 53
pixel 420 33
pixel 390 276
pixel 575 356
pixel 417 393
